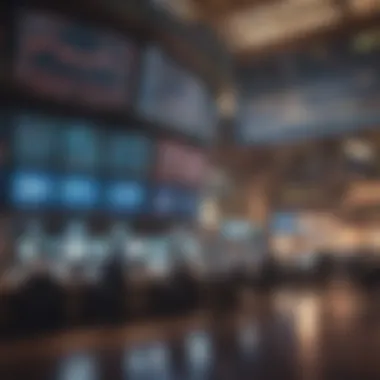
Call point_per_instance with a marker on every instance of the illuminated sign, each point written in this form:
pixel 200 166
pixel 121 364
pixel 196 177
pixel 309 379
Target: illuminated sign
pixel 173 96
pixel 79 192
pixel 128 154
pixel 31 189
pixel 165 201
pixel 125 197
pixel 72 62
pixel 34 140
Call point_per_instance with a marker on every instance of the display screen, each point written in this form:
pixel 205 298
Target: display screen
pixel 165 201
pixel 73 62
pixel 180 163
pixel 126 196
pixel 173 96
pixel 327 94
pixel 284 223
pixel 34 140
pixel 31 189
pixel 187 204
pixel 128 154
pixel 81 147
pixel 79 192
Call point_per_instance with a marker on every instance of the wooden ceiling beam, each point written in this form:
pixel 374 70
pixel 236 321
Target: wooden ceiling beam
pixel 214 10
pixel 349 26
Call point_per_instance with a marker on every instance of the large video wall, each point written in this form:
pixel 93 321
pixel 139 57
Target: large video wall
pixel 69 175
pixel 326 91
pixel 73 62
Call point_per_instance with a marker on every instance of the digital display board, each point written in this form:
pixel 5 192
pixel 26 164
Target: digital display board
pixel 326 94
pixel 81 147
pixel 77 192
pixel 33 140
pixel 165 201
pixel 73 62
pixel 187 204
pixel 128 154
pixel 31 189
pixel 284 223
pixel 181 164
pixel 173 96
pixel 125 197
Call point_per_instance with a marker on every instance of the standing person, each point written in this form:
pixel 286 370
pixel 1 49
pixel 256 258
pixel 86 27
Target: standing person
pixel 114 289
pixel 40 300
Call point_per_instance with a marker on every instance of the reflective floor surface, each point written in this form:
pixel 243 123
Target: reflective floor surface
pixel 289 334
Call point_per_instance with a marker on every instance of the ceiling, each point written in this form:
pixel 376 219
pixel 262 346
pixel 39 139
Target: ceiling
pixel 256 26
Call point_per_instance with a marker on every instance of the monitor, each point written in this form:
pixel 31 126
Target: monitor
pixel 284 223
pixel 31 189
pixel 128 154
pixel 79 192
pixel 175 97
pixel 34 140
pixel 81 147
pixel 165 201
pixel 187 204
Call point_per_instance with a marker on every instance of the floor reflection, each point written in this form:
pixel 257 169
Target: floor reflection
pixel 149 362
pixel 78 367
pixel 290 335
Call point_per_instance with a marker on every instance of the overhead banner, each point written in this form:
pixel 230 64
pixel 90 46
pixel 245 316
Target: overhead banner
pixel 73 63
pixel 173 96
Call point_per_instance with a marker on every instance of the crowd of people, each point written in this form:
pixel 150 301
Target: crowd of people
pixel 41 302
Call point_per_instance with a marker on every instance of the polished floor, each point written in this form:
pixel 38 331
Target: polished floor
pixel 290 334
